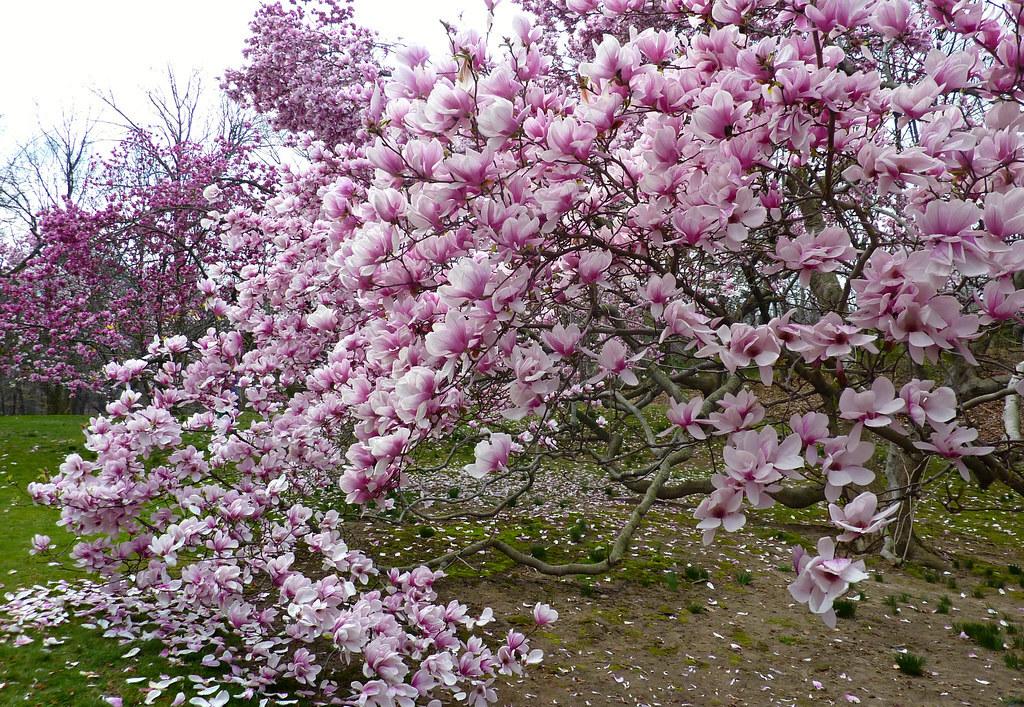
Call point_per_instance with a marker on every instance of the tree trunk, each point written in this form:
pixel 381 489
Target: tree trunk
pixel 902 544
pixel 58 401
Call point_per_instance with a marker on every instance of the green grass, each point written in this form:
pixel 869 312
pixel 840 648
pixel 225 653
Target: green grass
pixel 910 664
pixel 696 574
pixel 844 608
pixel 986 635
pixel 85 667
pixel 31 449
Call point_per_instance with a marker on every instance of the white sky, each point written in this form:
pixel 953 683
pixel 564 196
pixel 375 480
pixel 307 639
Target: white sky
pixel 55 53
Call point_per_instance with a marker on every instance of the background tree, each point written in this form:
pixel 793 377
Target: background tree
pixel 309 68
pixel 105 252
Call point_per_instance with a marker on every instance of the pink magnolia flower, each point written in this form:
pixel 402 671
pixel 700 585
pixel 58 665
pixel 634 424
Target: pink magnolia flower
pixel 614 8
pixel 390 204
pixel 936 325
pixel 926 405
pixel 732 11
pixel 41 544
pixel 916 101
pixel 827 15
pixel 891 18
pixel 303 666
pixel 452 337
pixel 754 461
pixel 842 463
pixel 741 214
pixel 818 252
pixel 414 393
pixel 811 427
pixel 324 319
pixel 593 266
pixel 825 578
pixel 873 407
pixel 471 168
pixel 381 659
pixel 684 415
pixel 720 510
pixel 742 345
pixel 693 226
pixel 683 319
pixel 531 367
pixel 659 291
pixel 125 372
pixel 739 412
pixel 612 60
pixel 1004 213
pixel 391 445
pixel 829 337
pixel 858 517
pixel 950 71
pixel 953 442
pixel 544 615
pixel 718 118
pixel 657 46
pixel 491 455
pixel 1000 301
pixel 176 344
pixel 613 360
pixel 562 340
pixel 212 193
pixel 468 279
pixel 153 428
pixel 950 228
pixel 498 119
pixel 898 296
pixel 569 140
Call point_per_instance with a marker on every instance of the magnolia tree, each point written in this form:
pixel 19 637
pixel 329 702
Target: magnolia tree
pixel 793 227
pixel 110 256
pixel 309 68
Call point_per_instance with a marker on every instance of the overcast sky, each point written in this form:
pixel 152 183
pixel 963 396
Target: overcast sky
pixel 55 53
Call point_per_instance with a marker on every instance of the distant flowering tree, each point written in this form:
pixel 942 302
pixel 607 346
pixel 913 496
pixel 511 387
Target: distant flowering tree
pixel 797 226
pixel 309 68
pixel 105 268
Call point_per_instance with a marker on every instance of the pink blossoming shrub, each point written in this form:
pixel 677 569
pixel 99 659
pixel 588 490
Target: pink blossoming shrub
pixel 782 221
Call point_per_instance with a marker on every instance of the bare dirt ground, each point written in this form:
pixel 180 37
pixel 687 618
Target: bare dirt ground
pixel 632 639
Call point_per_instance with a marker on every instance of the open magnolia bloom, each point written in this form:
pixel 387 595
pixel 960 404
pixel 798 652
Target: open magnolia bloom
pixel 824 578
pixel 858 517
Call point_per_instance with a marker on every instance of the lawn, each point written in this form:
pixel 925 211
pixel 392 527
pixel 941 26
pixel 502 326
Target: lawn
pixel 82 668
pixel 31 449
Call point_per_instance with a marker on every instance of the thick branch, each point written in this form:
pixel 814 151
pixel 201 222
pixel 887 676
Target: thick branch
pixel 790 496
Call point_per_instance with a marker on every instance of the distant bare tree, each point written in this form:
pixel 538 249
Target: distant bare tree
pixel 41 173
